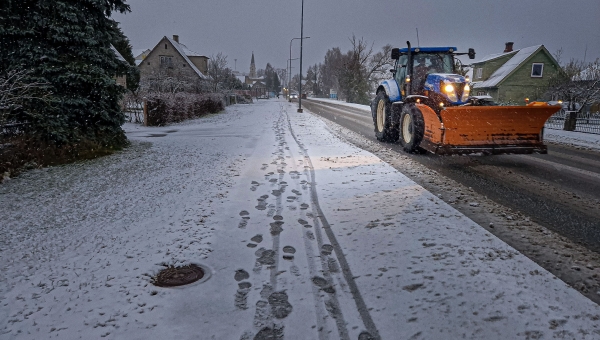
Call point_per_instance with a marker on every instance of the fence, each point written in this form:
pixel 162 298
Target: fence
pixel 12 130
pixel 588 122
pixel 258 93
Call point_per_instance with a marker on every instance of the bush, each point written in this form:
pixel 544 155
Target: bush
pixel 20 153
pixel 167 108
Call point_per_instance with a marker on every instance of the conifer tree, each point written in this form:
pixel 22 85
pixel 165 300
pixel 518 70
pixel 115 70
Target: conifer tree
pixel 66 45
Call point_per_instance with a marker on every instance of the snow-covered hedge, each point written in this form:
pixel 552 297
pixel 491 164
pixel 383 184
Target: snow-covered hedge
pixel 166 108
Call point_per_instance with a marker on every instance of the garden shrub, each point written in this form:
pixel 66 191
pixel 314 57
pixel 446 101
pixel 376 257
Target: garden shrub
pixel 167 108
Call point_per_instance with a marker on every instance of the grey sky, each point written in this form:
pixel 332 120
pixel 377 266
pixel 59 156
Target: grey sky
pixel 238 27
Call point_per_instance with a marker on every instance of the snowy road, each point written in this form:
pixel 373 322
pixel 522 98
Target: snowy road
pixel 306 237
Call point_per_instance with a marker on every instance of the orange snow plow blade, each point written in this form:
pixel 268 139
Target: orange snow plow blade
pixel 486 129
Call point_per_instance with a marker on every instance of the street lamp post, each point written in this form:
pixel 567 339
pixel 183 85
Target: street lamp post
pixel 290 78
pixel 301 40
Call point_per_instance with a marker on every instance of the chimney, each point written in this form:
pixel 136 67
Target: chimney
pixel 176 38
pixel 509 47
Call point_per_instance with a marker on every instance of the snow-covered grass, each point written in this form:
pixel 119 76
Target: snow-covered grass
pixel 304 235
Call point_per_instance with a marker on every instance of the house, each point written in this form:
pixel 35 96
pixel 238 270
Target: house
pixel 515 75
pixel 172 58
pixel 140 55
pixel 120 79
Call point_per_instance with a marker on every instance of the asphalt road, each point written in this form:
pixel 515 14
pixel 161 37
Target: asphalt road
pixel 560 190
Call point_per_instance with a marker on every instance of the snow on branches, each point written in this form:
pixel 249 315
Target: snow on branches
pixel 578 83
pixel 16 90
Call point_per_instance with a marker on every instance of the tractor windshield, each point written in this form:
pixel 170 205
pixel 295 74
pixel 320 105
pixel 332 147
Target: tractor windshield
pixel 434 63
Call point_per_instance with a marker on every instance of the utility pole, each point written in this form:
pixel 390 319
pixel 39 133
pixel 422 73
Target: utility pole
pixel 301 40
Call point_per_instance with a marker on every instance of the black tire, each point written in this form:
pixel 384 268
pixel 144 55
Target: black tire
pixel 412 128
pixel 381 109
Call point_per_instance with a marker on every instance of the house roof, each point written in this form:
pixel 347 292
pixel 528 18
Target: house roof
pixel 590 73
pixel 521 56
pixel 140 53
pixel 119 56
pixel 494 56
pixel 186 50
pixel 241 78
pixel 182 49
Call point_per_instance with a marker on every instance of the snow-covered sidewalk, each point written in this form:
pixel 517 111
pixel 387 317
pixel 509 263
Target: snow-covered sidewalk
pixel 305 237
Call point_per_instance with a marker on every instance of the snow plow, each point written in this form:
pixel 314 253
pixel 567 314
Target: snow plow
pixel 426 106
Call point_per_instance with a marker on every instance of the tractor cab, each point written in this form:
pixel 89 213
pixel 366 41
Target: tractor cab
pixel 430 72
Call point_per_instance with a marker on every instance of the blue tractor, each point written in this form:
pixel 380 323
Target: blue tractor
pixel 427 106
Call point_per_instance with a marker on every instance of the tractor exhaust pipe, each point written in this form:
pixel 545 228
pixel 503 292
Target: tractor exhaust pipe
pixel 409 70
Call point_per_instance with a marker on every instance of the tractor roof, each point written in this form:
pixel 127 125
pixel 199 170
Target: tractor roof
pixel 429 49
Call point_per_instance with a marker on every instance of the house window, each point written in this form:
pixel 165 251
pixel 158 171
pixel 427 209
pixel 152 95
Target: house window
pixel 537 69
pixel 166 61
pixel 478 73
pixel 481 93
pixel 165 46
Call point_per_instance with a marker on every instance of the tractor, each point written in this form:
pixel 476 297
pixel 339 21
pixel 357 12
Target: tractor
pixel 428 107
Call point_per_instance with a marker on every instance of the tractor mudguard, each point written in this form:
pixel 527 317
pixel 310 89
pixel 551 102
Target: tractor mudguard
pixel 391 89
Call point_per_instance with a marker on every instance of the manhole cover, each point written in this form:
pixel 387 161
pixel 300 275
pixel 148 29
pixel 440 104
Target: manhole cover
pixel 178 276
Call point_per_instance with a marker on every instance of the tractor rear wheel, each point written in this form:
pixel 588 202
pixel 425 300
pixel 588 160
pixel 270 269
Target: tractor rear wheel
pixel 385 131
pixel 412 128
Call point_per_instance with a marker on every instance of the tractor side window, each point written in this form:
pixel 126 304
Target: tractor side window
pixel 401 71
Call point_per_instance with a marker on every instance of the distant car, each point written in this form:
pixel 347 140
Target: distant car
pixel 294 96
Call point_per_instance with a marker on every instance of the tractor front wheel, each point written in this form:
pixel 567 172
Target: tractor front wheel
pixel 412 128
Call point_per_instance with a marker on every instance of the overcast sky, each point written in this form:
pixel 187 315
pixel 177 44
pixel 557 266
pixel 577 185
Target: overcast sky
pixel 238 27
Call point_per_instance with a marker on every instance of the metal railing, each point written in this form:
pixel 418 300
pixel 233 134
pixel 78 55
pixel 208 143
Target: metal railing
pixel 588 122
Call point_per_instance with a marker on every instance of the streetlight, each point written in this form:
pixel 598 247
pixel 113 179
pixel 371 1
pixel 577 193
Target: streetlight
pixel 301 40
pixel 290 79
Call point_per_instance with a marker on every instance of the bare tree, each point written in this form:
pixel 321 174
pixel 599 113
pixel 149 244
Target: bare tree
pixel 16 90
pixel 357 72
pixel 283 75
pixel 329 70
pixel 166 81
pixel 218 70
pixel 578 83
pixel 379 66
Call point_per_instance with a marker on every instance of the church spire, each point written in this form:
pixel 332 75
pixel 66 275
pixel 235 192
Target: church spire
pixel 252 67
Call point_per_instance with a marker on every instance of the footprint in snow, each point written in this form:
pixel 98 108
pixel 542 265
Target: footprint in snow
pixel 240 275
pixel 326 249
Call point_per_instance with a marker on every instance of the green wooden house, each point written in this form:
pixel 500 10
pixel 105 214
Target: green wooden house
pixel 515 76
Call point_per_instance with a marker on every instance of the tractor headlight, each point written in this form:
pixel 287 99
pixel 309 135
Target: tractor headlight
pixel 466 93
pixel 450 92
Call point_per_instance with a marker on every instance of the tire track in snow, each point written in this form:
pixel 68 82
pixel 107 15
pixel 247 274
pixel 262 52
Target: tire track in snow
pixel 320 304
pixel 346 271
